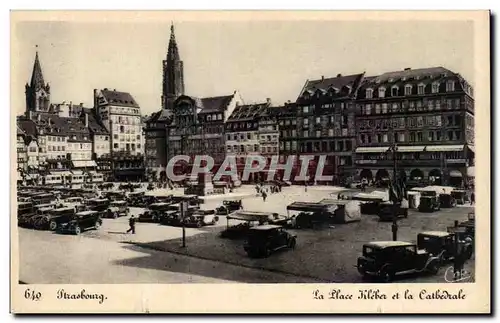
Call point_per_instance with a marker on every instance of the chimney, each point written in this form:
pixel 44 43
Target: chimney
pixel 339 75
pixel 322 77
pixel 86 120
pixel 408 68
pixel 81 104
pixel 95 99
pixel 114 90
pixel 39 118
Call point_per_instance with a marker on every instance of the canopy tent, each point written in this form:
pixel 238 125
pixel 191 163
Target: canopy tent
pixel 344 211
pixel 307 207
pixel 250 216
pixel 455 173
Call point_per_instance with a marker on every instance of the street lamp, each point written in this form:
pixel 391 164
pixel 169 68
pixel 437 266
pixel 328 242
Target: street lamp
pixel 395 192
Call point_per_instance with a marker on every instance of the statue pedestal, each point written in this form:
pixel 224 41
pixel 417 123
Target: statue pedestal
pixel 203 187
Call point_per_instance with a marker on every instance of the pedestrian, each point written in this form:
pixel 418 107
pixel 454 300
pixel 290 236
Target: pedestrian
pixel 472 198
pixel 264 196
pixel 131 223
pixel 305 187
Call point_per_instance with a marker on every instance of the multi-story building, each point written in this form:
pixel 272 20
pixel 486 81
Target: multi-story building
pixel 22 153
pixel 121 116
pixel 326 123
pixel 243 136
pixel 428 113
pixel 197 127
pixel 31 167
pixel 155 132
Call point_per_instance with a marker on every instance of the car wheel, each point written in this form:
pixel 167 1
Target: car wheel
pixel 387 275
pixel 199 224
pixel 78 230
pixel 53 225
pixel 115 215
pixel 216 218
pixel 292 243
pixel 97 225
pixel 433 267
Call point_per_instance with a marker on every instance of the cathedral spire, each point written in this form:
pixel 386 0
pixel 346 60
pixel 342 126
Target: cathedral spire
pixel 37 81
pixel 173 51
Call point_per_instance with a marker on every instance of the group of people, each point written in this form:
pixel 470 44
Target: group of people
pixel 263 191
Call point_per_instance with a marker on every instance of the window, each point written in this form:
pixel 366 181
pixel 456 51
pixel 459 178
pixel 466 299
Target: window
pixel 115 146
pixel 384 107
pixel 395 107
pixel 457 103
pixel 305 109
pixel 209 118
pixel 458 135
pixel 435 87
pixel 430 104
pixel 394 91
pixel 369 93
pixel 306 122
pixel 408 88
pixel 249 136
pixel 362 138
pixel 449 135
pixel 450 86
pixel 412 105
pixel 431 136
pixel 401 137
pixel 449 103
pixel 420 136
pixel 438 135
pixel 421 89
pixel 330 132
pixel 294 133
pixel 419 105
pixel 318 133
pixel 368 109
pixel 377 108
pixel 438 105
pixel 381 92
pixel 305 134
pixel 412 136
pixel 318 120
pixel 385 138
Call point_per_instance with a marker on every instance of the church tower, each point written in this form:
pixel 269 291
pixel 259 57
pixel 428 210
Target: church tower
pixel 37 92
pixel 173 74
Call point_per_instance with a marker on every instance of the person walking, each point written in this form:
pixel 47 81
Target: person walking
pixel 264 196
pixel 472 198
pixel 131 223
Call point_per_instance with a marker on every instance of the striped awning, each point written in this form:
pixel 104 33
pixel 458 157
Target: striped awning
pixel 372 149
pixel 445 148
pixel 84 163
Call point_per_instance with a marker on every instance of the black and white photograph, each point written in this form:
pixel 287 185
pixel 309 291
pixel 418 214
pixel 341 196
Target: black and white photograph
pixel 249 151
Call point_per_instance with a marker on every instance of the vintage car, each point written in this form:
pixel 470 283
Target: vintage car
pixel 154 212
pixel 310 215
pixel 49 219
pixel 25 212
pixel 117 209
pixel 81 222
pixel 466 229
pixel 43 198
pixel 263 240
pixel 170 217
pixel 386 211
pixel 97 204
pixel 105 186
pixel 200 218
pixel 429 201
pixel 447 200
pixel 229 207
pixel 114 196
pixel 135 199
pixel 460 196
pixel 386 259
pixel 74 200
pixel 442 244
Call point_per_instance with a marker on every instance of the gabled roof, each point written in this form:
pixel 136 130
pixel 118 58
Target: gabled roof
pixel 95 125
pixel 216 103
pixel 249 112
pixel 19 131
pixel 27 126
pixel 119 98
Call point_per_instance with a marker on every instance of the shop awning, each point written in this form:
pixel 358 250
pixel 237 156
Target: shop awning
pixel 455 173
pixel 84 163
pixel 471 171
pixel 77 172
pixel 472 148
pixel 408 149
pixel 62 173
pixel 445 148
pixel 372 149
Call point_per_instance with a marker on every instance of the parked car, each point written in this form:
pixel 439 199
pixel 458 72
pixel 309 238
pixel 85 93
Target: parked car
pixel 229 207
pixel 97 204
pixel 429 201
pixel 81 221
pixel 460 196
pixel 442 244
pixel 263 240
pixel 386 259
pixel 25 212
pixel 60 216
pixel 386 211
pixel 200 218
pixel 154 212
pixel 117 209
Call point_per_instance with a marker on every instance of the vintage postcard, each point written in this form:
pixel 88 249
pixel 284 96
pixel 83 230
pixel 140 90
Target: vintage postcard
pixel 250 162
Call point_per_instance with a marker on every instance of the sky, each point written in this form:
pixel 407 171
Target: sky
pixel 260 59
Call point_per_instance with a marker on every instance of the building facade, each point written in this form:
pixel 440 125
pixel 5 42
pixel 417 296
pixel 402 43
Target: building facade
pixel 121 116
pixel 428 113
pixel 326 124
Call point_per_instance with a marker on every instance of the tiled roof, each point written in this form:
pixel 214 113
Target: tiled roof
pixel 27 126
pixel 425 76
pixel 95 125
pixel 248 112
pixel 340 85
pixel 216 103
pixel 119 98
pixel 19 132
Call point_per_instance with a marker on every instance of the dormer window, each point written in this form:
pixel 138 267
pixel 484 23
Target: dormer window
pixel 394 91
pixel 381 92
pixel 369 93
pixel 408 88
pixel 421 89
pixel 435 87
pixel 450 86
pixel 209 118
